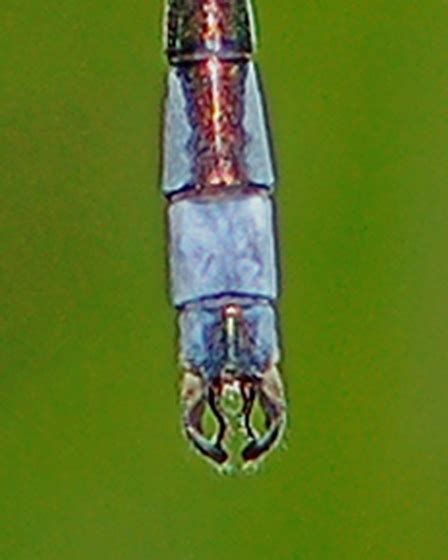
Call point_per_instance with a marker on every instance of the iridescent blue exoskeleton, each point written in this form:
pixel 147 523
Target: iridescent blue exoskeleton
pixel 218 178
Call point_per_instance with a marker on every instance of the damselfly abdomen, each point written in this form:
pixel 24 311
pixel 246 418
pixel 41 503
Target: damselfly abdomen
pixel 218 178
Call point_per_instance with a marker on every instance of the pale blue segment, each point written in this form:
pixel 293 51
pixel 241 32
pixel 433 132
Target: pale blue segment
pixel 177 161
pixel 179 155
pixel 258 156
pixel 262 327
pixel 203 344
pixel 222 246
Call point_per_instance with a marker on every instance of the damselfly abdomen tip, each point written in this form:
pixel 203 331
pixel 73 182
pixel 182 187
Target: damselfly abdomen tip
pixel 218 177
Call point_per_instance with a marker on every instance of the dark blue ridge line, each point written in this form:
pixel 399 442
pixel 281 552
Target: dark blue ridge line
pixel 231 295
pixel 193 191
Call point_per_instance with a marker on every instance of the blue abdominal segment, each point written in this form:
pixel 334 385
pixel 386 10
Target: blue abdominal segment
pixel 185 140
pixel 203 344
pixel 222 246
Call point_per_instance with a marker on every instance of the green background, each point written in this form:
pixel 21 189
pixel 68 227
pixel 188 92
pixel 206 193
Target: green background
pixel 92 464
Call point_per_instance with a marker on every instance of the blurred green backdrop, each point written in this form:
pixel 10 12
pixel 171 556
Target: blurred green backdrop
pixel 92 464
